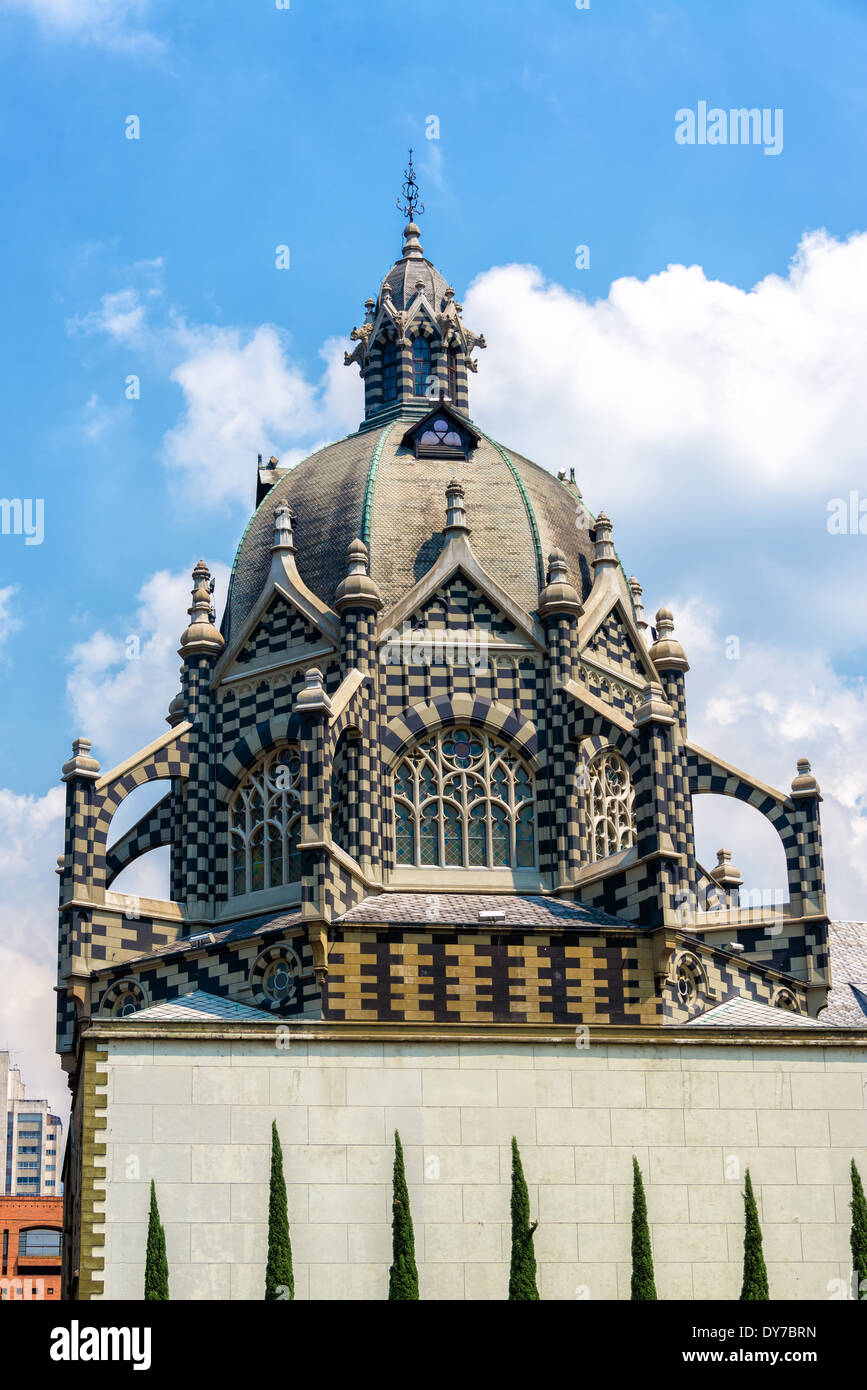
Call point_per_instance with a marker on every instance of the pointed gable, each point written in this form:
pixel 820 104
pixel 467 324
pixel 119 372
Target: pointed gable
pixel 460 604
pixel 612 644
pixel 281 634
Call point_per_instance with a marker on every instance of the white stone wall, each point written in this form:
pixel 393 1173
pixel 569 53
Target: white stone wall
pixel 196 1116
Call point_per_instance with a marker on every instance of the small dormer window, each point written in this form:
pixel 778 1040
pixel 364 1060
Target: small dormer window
pixel 420 366
pixel 389 372
pixel 441 433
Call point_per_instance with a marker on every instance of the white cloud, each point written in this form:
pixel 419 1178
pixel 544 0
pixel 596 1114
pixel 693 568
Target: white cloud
pixel 240 396
pixel 8 621
pixel 682 381
pixel 121 681
pixel 109 23
pixel 121 316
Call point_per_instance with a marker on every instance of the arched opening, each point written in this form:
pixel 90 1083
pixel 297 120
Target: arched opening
pixel 421 368
pixel 390 364
pixel 264 825
pixel 463 799
pixel 756 848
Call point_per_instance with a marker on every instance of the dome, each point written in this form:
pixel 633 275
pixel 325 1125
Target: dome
pixel 409 275
pixel 371 485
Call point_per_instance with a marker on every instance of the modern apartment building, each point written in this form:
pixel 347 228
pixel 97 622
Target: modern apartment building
pixel 33 1139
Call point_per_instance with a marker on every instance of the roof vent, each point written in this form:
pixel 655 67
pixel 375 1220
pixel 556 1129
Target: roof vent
pixel 494 914
pixel 202 938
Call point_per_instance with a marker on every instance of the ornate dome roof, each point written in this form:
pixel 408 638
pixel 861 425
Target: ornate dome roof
pixel 371 485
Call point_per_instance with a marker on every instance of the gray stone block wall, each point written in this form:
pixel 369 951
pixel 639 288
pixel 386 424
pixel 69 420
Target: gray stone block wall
pixel 196 1117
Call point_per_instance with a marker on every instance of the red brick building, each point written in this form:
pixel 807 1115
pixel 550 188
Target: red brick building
pixel 30 1233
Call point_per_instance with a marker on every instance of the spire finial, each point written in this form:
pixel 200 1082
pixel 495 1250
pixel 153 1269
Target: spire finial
pixel 409 203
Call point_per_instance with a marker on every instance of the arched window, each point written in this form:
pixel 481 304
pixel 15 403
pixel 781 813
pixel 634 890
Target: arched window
pixel 389 372
pixel 611 802
pixel 463 800
pixel 420 366
pixel 452 373
pixel 264 822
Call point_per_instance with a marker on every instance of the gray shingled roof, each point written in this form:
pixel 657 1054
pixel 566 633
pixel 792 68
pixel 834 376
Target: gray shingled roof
pixel 747 1013
pixel 406 515
pixel 847 1001
pixel 193 1008
pixel 462 909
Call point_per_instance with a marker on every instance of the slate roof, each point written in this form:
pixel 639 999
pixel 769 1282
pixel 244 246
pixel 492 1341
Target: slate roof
pixel 220 936
pixel 847 1001
pixel 746 1013
pixel 405 514
pixel 462 909
pixel 196 1007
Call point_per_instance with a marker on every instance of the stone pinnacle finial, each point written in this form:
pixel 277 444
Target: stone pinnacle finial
pixel 312 699
pixel 81 764
pixel 456 516
pixel 558 595
pixel 606 555
pixel 283 537
pixel 805 783
pixel 636 590
pixel 725 873
pixel 357 590
pixel 201 636
pixel 666 653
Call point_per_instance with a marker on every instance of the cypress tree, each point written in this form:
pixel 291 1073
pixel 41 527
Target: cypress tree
pixel 858 1236
pixel 522 1270
pixel 279 1277
pixel 156 1284
pixel 643 1285
pixel 403 1275
pixel 755 1285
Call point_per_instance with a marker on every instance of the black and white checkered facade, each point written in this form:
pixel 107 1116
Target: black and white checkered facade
pixel 477 594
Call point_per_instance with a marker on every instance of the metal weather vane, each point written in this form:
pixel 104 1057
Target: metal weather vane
pixel 409 203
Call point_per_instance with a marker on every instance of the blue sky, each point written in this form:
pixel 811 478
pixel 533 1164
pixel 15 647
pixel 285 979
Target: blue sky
pixel 262 126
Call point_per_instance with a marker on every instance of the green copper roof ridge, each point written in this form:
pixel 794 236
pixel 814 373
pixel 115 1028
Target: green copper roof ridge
pixel 531 516
pixel 371 481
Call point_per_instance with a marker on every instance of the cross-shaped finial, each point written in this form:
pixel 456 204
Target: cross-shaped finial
pixel 409 203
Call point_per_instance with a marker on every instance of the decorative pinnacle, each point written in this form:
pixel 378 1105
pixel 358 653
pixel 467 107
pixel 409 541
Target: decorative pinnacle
pixel 283 538
pixel 357 590
pixel 636 590
pixel 410 203
pixel 81 764
pixel 559 595
pixel 725 873
pixel 606 555
pixel 456 516
pixel 201 636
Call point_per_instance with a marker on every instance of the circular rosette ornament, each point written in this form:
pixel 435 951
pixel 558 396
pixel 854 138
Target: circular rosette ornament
pixel 275 979
pixel 122 998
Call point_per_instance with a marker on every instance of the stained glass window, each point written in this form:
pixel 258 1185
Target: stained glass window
pixel 264 824
pixel 464 800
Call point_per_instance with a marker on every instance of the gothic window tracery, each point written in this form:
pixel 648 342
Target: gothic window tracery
pixel 464 800
pixel 264 824
pixel 611 805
